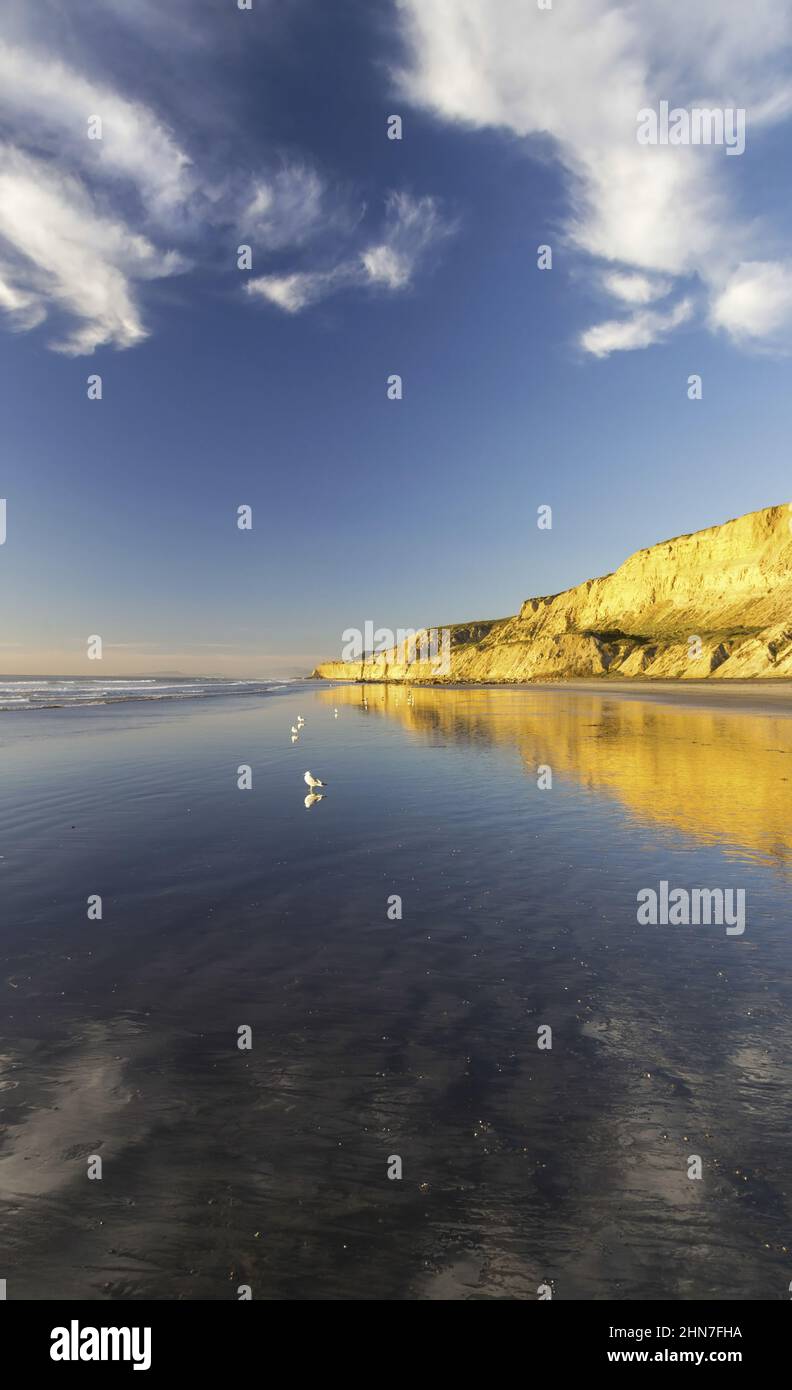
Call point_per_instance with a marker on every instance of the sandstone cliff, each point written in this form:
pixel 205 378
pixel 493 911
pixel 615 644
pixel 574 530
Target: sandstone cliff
pixel 729 586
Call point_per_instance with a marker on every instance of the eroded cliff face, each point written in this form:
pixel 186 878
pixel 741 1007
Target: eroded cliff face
pixel 730 587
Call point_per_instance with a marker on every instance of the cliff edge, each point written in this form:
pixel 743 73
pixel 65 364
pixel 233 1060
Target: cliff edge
pixel 716 603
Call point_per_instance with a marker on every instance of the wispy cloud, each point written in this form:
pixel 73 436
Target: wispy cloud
pixel 86 221
pixel 640 330
pixel 292 207
pixel 81 219
pixel 411 227
pixel 633 288
pixel 70 255
pixel 51 101
pixel 755 303
pixel 580 73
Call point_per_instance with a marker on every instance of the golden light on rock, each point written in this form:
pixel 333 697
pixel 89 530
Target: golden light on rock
pixel 717 603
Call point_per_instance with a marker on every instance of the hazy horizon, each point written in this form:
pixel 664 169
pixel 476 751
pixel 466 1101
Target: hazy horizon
pixel 94 670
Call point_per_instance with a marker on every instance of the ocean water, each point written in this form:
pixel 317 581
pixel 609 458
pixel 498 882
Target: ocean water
pixel 55 692
pixel 376 1037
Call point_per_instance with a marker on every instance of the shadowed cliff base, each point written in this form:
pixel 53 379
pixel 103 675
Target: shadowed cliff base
pixel 716 604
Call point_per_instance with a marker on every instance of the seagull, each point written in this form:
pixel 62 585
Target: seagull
pixel 294 738
pixel 294 729
pixel 311 781
pixel 335 713
pixel 300 719
pixel 312 798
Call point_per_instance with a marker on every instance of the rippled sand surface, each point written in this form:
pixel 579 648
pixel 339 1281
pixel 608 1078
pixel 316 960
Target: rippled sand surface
pixel 374 1037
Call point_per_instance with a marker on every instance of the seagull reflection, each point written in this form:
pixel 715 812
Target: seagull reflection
pixel 312 798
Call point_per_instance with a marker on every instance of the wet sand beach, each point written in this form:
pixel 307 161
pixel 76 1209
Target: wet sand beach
pixel 374 1037
pixel 768 696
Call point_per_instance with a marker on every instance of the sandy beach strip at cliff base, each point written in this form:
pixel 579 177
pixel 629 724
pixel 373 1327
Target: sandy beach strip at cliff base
pixel 757 696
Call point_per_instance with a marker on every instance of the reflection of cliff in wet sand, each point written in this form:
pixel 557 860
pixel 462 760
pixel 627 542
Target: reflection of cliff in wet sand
pixel 717 603
pixel 721 775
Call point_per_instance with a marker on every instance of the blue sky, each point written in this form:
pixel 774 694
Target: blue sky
pixel 267 387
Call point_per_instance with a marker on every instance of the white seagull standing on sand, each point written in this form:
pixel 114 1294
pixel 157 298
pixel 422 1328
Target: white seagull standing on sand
pixel 311 781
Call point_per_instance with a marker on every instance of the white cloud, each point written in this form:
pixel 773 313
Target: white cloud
pixel 85 221
pixel 756 302
pixel 412 226
pixel 54 103
pixel 24 308
pixel 289 208
pixel 641 330
pixel 385 266
pixel 580 73
pixel 67 248
pixel 71 256
pixel 634 288
pixel 295 291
